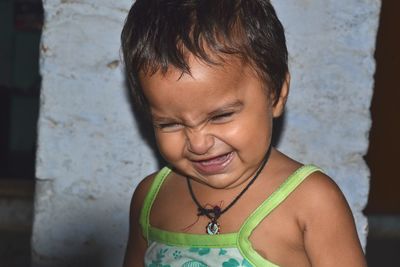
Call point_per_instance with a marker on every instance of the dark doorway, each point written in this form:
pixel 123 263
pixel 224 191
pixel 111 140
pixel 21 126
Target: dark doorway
pixel 20 27
pixel 383 209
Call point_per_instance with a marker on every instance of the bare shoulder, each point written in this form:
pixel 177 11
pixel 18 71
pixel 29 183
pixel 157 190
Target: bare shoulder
pixel 320 193
pixel 142 189
pixel 322 201
pixel 330 235
pixel 136 247
pixel 138 197
pixel 317 192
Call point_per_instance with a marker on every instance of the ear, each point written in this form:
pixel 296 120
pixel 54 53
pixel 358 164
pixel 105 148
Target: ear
pixel 279 106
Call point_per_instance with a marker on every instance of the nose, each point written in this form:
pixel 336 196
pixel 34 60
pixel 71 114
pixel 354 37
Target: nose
pixel 199 141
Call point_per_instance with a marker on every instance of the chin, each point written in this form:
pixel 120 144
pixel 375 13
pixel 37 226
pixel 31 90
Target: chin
pixel 220 182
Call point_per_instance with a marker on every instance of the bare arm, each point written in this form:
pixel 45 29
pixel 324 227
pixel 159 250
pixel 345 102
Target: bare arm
pixel 329 230
pixel 136 247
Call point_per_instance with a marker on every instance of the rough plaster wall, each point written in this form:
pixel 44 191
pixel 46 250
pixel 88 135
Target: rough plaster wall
pixel 327 120
pixel 91 153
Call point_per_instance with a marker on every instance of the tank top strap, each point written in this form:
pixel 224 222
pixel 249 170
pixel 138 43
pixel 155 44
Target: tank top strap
pixel 144 218
pixel 276 198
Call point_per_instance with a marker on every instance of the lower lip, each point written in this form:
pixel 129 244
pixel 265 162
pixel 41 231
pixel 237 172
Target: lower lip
pixel 215 165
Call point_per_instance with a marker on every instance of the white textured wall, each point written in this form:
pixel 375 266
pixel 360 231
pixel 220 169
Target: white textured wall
pixel 91 154
pixel 331 45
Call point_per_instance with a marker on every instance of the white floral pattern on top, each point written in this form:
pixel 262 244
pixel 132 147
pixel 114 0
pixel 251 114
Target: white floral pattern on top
pixel 161 255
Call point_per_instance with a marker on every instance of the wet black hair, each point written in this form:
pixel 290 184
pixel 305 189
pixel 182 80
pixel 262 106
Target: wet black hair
pixel 161 33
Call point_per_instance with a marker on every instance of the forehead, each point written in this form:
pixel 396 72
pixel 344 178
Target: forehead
pixel 227 72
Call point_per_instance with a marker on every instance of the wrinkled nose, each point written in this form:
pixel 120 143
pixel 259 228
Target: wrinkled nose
pixel 198 141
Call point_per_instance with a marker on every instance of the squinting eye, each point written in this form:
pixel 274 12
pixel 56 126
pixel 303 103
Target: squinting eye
pixel 169 127
pixel 222 117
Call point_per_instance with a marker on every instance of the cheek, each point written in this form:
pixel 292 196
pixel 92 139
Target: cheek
pixel 249 135
pixel 170 146
pixel 253 128
pixel 254 136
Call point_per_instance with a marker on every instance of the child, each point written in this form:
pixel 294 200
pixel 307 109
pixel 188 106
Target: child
pixel 212 75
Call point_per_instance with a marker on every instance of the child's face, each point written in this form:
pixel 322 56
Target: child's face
pixel 214 125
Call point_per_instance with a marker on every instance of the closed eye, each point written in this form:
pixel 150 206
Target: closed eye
pixel 168 127
pixel 223 117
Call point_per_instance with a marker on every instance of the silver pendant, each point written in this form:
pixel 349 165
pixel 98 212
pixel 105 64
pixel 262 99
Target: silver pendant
pixel 213 228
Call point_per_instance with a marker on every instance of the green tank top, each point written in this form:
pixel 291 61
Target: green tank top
pixel 171 249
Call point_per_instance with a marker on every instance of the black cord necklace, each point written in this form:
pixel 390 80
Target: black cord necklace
pixel 213 227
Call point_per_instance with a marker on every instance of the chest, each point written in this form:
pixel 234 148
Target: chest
pixel 277 237
pixel 174 209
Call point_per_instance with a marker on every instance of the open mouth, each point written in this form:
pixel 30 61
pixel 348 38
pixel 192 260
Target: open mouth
pixel 213 165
